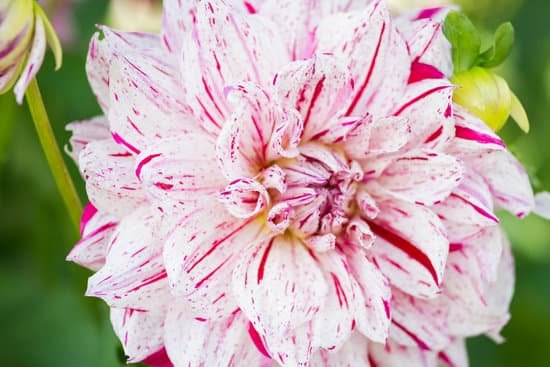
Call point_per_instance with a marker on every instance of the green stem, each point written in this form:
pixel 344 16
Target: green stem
pixel 53 153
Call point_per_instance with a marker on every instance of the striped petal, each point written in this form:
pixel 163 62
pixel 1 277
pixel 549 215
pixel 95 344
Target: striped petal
pixel 428 107
pixel 334 322
pixel 411 247
pixel 372 314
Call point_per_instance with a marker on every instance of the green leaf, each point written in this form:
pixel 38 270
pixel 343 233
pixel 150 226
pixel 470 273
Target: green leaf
pixel 503 43
pixel 464 39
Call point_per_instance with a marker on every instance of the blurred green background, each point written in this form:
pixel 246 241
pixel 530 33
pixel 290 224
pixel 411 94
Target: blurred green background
pixel 45 319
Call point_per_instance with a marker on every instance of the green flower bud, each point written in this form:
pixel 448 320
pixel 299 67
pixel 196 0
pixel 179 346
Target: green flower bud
pixel 488 96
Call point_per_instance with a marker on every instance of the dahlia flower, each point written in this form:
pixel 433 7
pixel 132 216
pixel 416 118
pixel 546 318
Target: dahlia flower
pixel 275 183
pixel 24 33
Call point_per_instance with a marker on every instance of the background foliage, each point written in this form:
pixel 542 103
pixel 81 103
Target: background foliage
pixel 46 320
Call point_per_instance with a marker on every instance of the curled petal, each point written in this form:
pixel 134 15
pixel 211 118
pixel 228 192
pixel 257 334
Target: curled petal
pixel 377 56
pixel 359 233
pixel 318 88
pixel 244 198
pixel 280 216
pixel 226 47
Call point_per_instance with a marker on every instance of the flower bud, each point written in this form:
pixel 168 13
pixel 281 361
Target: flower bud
pixel 24 32
pixel 489 97
pixel 135 15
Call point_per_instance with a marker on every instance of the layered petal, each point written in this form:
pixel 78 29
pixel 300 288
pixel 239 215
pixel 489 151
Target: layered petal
pixel 200 256
pixel 394 355
pixel 353 353
pixel 133 275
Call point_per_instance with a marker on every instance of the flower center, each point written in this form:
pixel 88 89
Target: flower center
pixel 320 194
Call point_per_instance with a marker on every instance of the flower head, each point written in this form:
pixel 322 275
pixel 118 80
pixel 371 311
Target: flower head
pixel 274 183
pixel 24 32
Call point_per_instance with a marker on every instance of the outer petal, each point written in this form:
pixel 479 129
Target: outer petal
pixel 110 181
pixel 411 248
pixel 423 177
pixel 133 275
pixel 194 342
pixel 140 332
pixel 426 41
pixel 354 353
pixel 470 203
pixel 378 56
pixel 472 136
pixel 417 323
pixel 200 255
pixel 180 170
pixel 96 229
pixel 146 103
pixel 318 88
pixel 279 287
pixel 395 355
pixel 455 355
pixel 476 304
pixel 84 132
pixel 507 181
pixel 34 60
pixel 103 47
pixel 227 48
